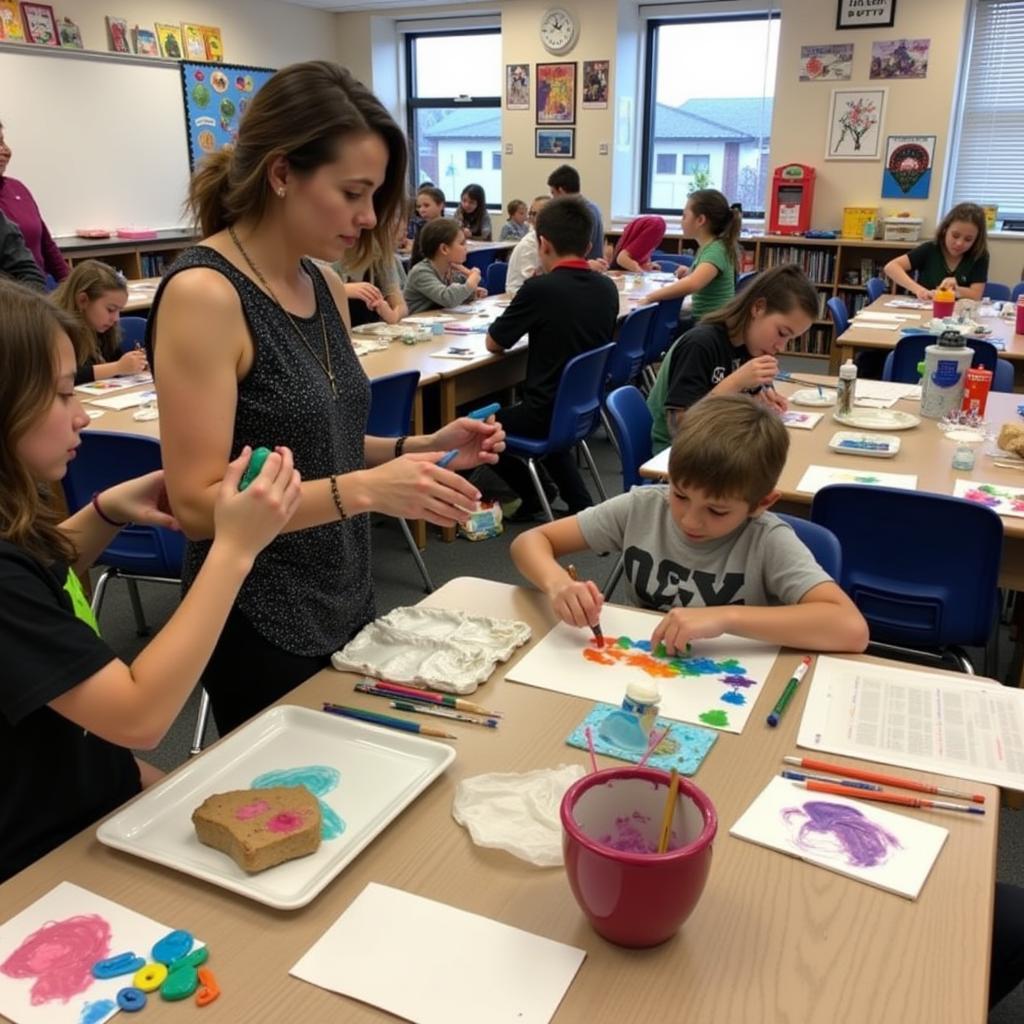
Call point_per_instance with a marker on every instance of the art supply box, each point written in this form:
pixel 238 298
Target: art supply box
pixel 902 229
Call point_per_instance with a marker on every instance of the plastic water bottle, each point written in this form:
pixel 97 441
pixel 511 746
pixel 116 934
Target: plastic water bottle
pixel 945 364
pixel 847 388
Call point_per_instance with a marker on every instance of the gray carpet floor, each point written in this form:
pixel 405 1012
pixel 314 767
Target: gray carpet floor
pixel 397 582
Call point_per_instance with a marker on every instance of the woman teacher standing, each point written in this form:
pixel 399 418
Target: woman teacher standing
pixel 249 345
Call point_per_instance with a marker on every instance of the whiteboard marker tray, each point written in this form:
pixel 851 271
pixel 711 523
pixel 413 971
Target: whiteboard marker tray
pixel 381 771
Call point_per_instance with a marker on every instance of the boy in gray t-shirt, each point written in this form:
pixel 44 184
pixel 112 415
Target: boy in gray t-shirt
pixel 704 548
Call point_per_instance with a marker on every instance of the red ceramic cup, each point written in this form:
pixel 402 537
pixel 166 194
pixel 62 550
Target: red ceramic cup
pixel 634 898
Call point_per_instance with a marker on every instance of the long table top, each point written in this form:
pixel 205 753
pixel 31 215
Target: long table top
pixel 771 939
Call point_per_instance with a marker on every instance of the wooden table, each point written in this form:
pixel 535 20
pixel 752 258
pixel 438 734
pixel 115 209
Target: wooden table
pixel 772 939
pixel 140 295
pixel 856 337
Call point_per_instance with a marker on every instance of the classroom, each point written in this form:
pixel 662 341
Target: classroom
pixel 627 398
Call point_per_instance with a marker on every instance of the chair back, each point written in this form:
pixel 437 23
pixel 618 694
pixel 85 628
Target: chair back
pixel 578 400
pixel 996 292
pixel 106 458
pixel 922 568
pixel 497 274
pixel 663 329
pixel 840 316
pixel 481 259
pixel 631 420
pixel 744 279
pixel 1002 379
pixel 133 332
pixel 50 283
pixel 1018 291
pixel 391 401
pixel 627 358
pixel 820 541
pixel 901 363
pixel 877 287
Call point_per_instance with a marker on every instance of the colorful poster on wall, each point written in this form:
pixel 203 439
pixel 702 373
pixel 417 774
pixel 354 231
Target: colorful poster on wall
pixel 908 166
pixel 517 86
pixel 900 58
pixel 596 75
pixel 556 93
pixel 831 63
pixel 216 96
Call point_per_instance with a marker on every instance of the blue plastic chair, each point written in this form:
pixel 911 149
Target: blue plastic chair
pixel 133 332
pixel 1018 291
pixel 680 259
pixel 627 358
pixel 877 287
pixel 631 424
pixel 840 315
pixel 391 402
pixel 481 259
pixel 901 362
pixel 922 568
pixel 820 541
pixel 50 283
pixel 663 333
pixel 744 279
pixel 497 274
pixel 996 292
pixel 575 414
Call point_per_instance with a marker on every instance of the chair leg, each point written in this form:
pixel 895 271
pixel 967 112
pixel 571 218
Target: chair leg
pixel 613 580
pixel 607 423
pixel 201 720
pixel 585 448
pixel 539 488
pixel 960 657
pixel 136 602
pixel 100 591
pixel 428 583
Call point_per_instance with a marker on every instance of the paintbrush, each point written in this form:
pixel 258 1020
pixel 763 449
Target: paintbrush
pixel 382 688
pixel 596 628
pixel 436 712
pixel 886 797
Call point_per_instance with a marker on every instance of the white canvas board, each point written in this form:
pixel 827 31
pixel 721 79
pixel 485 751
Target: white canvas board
pixel 657 464
pixel 798 420
pixel 816 477
pixel 112 385
pixel 45 963
pixel 430 963
pixel 856 838
pixel 717 685
pixel 874 325
pixel 880 315
pixel 1005 501
pixel 920 720
pixel 886 389
pixel 118 402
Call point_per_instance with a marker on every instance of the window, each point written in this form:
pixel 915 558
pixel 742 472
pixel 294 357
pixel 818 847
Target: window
pixel 454 104
pixel 708 109
pixel 988 138
pixel 664 163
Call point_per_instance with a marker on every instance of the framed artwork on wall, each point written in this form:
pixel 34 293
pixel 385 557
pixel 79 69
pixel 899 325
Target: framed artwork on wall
pixel 517 86
pixel 908 166
pixel 556 93
pixel 40 24
pixel 855 124
pixel 865 14
pixel 555 142
pixel 596 75
pixel 117 34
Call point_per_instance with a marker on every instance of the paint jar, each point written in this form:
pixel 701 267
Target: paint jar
pixel 963 457
pixel 642 699
pixel 943 303
pixel 611 820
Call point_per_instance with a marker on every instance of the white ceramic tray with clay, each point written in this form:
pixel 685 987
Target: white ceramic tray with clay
pixel 365 775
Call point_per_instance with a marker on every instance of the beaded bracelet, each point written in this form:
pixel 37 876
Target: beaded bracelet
pixel 342 514
pixel 400 445
pixel 102 514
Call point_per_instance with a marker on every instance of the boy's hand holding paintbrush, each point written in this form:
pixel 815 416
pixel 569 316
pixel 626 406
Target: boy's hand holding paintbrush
pixel 579 603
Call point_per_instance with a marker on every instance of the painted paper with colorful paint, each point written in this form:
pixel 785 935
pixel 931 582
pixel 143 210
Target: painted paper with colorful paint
pixel 716 685
pixel 855 838
pixel 816 477
pixel 1007 501
pixel 801 420
pixel 47 952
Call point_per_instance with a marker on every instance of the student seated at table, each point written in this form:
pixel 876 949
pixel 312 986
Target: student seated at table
pixel 567 310
pixel 957 259
pixel 633 253
pixel 515 227
pixel 733 349
pixel 441 280
pixel 711 280
pixel 94 294
pixel 70 710
pixel 704 548
pixel 472 213
pixel 524 261
pixel 429 206
pixel 376 294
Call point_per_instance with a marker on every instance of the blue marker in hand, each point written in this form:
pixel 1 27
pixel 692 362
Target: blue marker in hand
pixel 477 414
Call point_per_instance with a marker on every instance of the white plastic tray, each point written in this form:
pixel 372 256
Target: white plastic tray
pixel 877 419
pixel 382 772
pixel 846 442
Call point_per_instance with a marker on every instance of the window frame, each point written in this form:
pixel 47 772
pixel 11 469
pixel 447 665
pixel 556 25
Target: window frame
pixel 414 103
pixel 650 94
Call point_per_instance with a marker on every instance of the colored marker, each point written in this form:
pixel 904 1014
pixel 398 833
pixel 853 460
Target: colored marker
pixel 393 690
pixel 885 797
pixel 454 716
pixel 886 780
pixel 389 721
pixel 787 693
pixel 802 777
pixel 477 414
pixel 596 628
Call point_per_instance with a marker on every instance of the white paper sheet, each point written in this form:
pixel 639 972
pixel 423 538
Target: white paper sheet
pixel 434 964
pixel 112 385
pixel 875 325
pixel 921 720
pixel 717 685
pixel 908 304
pixel 657 464
pixel 52 990
pixel 874 314
pixel 816 477
pixel 852 837
pixel 1006 501
pixel 800 420
pixel 118 402
pixel 886 389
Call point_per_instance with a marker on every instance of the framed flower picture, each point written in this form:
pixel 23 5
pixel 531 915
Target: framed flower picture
pixel 40 24
pixel 556 93
pixel 855 124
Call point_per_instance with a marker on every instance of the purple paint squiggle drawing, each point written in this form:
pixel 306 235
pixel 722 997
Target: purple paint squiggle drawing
pixel 838 831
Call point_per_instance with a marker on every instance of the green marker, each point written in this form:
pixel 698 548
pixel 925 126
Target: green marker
pixel 252 471
pixel 787 693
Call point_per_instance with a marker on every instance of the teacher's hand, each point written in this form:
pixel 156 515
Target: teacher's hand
pixel 412 487
pixel 477 442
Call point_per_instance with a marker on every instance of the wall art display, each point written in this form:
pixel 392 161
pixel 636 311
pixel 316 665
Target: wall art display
pixel 117 35
pixel 40 24
pixel 70 34
pixel 517 86
pixel 556 142
pixel 11 30
pixel 192 40
pixel 855 124
pixel 831 63
pixel 556 93
pixel 596 75
pixel 865 13
pixel 168 38
pixel 908 166
pixel 900 58
pixel 145 42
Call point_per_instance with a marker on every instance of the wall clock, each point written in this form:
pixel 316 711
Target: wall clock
pixel 558 30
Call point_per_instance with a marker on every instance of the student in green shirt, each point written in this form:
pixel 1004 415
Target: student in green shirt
pixel 712 278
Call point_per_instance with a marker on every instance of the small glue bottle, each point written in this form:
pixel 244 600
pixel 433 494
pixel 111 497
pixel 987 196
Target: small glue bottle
pixel 642 699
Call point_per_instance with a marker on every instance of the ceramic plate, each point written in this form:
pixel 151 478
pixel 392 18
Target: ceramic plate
pixel 811 396
pixel 876 446
pixel 878 419
pixel 367 774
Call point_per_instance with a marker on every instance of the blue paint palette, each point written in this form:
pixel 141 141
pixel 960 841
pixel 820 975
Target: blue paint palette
pixel 876 446
pixel 683 748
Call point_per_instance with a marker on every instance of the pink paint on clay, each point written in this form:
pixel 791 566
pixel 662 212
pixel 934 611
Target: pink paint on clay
pixel 286 821
pixel 60 956
pixel 252 810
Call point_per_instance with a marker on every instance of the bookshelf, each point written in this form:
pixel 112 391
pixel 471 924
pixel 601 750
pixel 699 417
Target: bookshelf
pixel 135 258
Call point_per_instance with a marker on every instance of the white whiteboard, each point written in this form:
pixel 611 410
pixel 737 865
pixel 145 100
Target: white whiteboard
pixel 99 142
